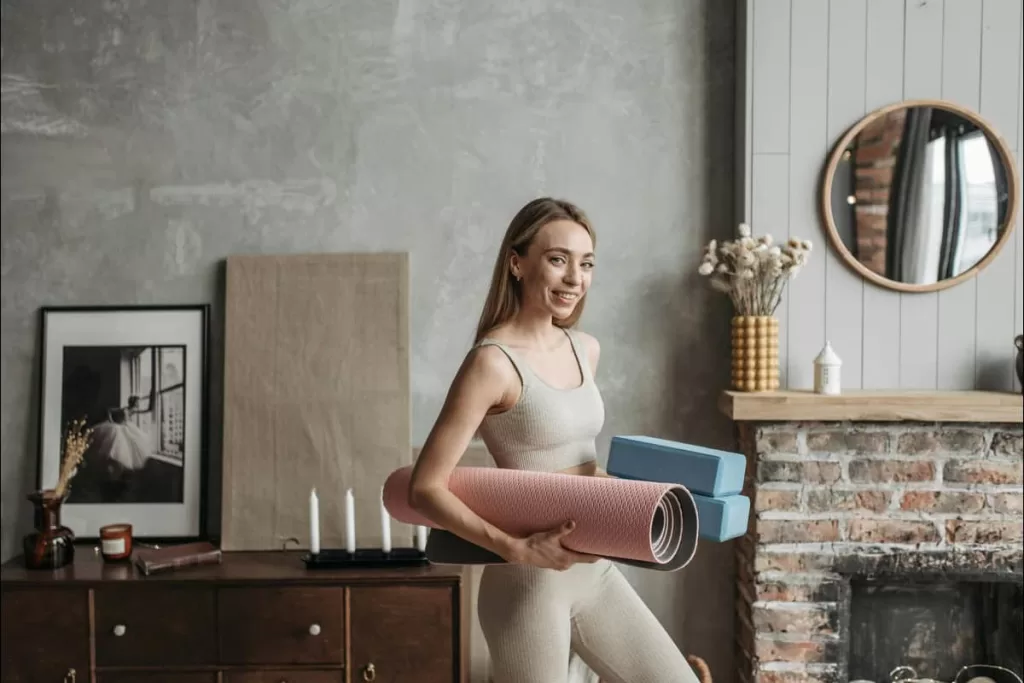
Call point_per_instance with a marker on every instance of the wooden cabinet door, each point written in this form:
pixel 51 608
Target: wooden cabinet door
pixel 286 676
pixel 155 677
pixel 404 633
pixel 281 625
pixel 45 635
pixel 155 625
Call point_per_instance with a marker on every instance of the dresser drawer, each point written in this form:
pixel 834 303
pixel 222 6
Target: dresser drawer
pixel 155 625
pixel 155 677
pixel 281 625
pixel 285 676
pixel 44 634
pixel 404 633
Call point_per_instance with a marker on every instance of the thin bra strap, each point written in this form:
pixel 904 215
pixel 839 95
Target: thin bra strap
pixel 522 369
pixel 580 352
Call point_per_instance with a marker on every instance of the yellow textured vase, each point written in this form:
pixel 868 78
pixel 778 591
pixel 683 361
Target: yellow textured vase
pixel 755 353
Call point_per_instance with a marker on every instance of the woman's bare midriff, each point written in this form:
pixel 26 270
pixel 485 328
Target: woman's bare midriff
pixel 587 469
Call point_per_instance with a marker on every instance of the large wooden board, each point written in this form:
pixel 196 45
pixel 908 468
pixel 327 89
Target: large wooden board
pixel 316 394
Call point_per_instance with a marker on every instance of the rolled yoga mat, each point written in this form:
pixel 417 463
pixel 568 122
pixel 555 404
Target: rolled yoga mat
pixel 646 524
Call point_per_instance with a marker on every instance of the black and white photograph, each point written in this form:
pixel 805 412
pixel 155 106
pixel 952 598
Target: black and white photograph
pixel 132 401
pixel 134 380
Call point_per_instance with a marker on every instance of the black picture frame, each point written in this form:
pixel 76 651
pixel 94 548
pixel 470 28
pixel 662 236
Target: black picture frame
pixel 148 461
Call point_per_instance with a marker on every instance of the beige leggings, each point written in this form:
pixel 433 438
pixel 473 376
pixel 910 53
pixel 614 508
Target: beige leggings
pixel 532 618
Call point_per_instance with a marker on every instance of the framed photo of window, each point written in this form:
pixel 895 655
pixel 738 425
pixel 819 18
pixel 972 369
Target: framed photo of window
pixel 137 378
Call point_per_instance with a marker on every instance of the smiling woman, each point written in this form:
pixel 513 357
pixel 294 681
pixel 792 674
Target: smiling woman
pixel 527 386
pixel 546 240
pixel 557 268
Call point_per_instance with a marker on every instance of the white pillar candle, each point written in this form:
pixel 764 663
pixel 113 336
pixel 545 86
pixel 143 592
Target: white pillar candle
pixel 350 521
pixel 385 525
pixel 314 522
pixel 421 537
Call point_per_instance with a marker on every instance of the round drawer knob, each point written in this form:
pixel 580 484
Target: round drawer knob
pixel 314 630
pixel 119 630
pixel 369 673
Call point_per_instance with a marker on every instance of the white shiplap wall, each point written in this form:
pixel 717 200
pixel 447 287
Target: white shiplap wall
pixel 812 69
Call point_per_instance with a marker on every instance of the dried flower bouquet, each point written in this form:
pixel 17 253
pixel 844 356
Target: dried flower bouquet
pixel 76 443
pixel 753 272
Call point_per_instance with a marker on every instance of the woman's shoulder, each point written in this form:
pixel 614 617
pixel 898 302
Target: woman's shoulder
pixel 590 345
pixel 488 361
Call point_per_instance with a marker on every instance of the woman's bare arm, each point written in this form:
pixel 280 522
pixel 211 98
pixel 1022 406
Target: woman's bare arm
pixel 480 384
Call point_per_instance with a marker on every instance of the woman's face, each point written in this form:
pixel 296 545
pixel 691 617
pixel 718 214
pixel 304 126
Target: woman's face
pixel 557 268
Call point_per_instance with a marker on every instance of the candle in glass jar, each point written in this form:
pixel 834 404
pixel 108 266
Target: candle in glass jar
pixel 116 542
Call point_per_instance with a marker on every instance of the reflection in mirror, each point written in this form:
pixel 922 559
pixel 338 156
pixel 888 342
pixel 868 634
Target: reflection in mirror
pixel 920 194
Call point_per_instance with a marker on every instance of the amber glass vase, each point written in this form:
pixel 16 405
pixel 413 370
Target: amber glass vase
pixel 755 353
pixel 50 545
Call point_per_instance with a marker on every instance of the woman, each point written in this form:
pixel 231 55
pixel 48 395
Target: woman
pixel 528 387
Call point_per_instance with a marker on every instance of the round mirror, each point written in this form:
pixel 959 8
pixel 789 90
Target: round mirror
pixel 920 195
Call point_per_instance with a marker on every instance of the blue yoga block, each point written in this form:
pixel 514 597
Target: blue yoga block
pixel 724 518
pixel 704 471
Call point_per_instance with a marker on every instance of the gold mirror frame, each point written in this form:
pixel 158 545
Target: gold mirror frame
pixel 836 156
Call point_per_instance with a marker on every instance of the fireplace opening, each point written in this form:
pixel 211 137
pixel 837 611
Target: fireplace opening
pixel 935 628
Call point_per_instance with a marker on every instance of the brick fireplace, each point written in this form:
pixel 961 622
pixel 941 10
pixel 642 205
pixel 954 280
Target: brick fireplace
pixel 875 543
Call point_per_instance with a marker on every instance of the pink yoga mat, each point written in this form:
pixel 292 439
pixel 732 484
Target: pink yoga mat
pixel 648 524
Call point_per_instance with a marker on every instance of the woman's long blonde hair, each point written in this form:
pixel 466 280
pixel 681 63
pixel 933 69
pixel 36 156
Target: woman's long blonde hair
pixel 504 297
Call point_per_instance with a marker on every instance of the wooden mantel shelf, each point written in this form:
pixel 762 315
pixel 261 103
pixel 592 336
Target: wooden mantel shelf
pixel 874 406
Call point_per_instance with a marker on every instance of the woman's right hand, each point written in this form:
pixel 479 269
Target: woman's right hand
pixel 544 549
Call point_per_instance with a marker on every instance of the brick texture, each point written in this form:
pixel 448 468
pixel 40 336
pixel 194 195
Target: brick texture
pixel 786 531
pixel 814 620
pixel 792 562
pixel 846 441
pixel 806 651
pixel 892 531
pixel 782 591
pixel 983 472
pixel 942 441
pixel 943 501
pixel 1008 444
pixel 777 442
pixel 800 472
pixel 885 471
pixel 835 500
pixel 973 532
pixel 874 163
pixel 777 500
pixel 794 677
pixel 830 500
pixel 1007 503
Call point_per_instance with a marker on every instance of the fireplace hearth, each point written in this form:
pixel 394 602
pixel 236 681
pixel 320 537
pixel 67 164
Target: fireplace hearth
pixel 933 627
pixel 876 545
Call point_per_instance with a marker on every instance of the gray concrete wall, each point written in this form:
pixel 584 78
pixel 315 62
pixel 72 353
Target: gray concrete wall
pixel 144 141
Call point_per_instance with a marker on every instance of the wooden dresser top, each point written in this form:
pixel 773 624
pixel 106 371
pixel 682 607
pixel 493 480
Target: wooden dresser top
pixel 235 567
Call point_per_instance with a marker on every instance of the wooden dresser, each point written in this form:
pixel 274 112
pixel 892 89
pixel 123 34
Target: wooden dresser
pixel 255 618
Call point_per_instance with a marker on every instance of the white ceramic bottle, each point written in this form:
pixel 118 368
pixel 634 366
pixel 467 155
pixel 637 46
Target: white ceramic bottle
pixel 826 371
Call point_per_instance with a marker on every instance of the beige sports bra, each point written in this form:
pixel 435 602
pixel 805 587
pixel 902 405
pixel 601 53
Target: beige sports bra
pixel 548 429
